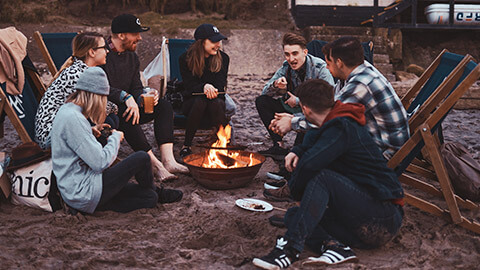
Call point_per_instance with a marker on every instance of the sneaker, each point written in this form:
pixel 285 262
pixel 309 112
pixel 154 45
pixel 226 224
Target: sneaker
pixel 277 221
pixel 275 176
pixel 185 152
pixel 168 195
pixel 281 194
pixel 274 184
pixel 276 152
pixel 333 254
pixel 280 257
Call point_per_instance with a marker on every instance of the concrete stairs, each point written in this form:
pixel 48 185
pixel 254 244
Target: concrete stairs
pixel 381 60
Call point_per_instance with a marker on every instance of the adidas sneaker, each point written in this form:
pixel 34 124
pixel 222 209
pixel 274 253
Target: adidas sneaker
pixel 334 254
pixel 280 257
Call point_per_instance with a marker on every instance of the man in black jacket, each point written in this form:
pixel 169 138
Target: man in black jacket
pixel 123 71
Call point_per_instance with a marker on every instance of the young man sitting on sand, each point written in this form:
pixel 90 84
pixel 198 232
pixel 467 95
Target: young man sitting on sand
pixel 348 196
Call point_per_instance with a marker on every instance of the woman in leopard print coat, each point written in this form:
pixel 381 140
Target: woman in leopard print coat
pixel 88 50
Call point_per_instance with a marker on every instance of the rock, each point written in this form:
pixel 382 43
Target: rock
pixel 415 69
pixel 404 76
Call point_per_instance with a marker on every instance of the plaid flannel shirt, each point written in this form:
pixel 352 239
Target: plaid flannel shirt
pixel 386 117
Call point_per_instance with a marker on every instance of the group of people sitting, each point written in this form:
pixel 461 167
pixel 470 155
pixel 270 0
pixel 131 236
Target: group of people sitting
pixel 348 118
pixel 337 169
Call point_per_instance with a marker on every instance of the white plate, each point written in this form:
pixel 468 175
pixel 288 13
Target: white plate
pixel 254 205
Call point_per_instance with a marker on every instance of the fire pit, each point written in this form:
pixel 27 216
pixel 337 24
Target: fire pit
pixel 222 168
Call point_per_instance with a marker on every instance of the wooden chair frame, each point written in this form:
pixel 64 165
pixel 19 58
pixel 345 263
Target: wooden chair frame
pixel 430 113
pixel 46 55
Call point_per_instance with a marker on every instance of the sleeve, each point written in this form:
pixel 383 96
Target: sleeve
pixel 116 95
pixel 81 140
pixel 269 89
pixel 192 84
pixel 355 93
pixel 223 74
pixel 331 144
pixel 325 75
pixel 136 86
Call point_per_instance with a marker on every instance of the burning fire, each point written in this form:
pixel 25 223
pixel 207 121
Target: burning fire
pixel 224 158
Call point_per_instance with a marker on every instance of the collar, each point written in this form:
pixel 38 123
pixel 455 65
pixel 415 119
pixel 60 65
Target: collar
pixel 355 111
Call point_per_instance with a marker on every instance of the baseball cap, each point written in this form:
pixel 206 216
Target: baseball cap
pixel 209 31
pixel 127 23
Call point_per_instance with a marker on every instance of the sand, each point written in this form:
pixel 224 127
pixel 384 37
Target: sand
pixel 206 230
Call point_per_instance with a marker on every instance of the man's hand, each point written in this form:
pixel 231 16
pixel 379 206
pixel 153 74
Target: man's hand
pixel 132 111
pixel 292 100
pixel 120 132
pixel 156 96
pixel 281 124
pixel 291 161
pixel 210 91
pixel 97 130
pixel 280 83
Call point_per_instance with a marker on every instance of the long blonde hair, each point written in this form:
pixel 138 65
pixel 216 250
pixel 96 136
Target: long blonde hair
pixel 93 105
pixel 81 44
pixel 196 59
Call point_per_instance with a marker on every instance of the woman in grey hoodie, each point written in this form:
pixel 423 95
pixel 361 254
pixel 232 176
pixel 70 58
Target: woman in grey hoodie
pixel 86 179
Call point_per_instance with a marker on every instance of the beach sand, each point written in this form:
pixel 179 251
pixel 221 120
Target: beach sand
pixel 206 230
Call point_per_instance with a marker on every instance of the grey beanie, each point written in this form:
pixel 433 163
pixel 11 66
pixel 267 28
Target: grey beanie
pixel 94 80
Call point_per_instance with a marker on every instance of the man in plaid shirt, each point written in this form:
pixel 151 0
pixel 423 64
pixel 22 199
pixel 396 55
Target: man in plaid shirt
pixel 359 82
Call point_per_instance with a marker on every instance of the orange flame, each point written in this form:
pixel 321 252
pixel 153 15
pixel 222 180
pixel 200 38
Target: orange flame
pixel 214 160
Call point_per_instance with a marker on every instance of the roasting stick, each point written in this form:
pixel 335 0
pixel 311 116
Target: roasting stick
pixel 201 94
pixel 279 209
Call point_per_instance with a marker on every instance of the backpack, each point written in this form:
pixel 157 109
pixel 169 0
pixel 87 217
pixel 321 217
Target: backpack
pixel 463 170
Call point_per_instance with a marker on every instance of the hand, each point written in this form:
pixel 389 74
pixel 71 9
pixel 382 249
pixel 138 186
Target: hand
pixel 291 160
pixel 210 91
pixel 281 124
pixel 97 130
pixel 156 96
pixel 292 100
pixel 119 132
pixel 132 111
pixel 281 83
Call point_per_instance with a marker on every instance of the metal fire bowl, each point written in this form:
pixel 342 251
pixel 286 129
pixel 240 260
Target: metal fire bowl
pixel 213 178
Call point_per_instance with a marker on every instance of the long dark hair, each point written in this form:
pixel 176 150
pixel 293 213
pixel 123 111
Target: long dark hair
pixel 196 59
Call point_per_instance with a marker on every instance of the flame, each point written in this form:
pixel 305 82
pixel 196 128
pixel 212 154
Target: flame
pixel 214 155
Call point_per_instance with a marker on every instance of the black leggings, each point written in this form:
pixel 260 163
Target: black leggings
pixel 162 126
pixel 197 108
pixel 121 196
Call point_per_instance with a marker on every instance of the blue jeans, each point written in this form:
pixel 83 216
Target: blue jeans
pixel 334 207
pixel 121 196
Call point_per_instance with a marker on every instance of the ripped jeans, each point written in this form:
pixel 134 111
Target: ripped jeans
pixel 334 207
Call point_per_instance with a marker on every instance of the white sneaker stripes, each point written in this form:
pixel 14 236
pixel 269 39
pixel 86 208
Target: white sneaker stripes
pixel 283 261
pixel 334 255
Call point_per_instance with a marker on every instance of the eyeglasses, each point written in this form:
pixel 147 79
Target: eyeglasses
pixel 105 47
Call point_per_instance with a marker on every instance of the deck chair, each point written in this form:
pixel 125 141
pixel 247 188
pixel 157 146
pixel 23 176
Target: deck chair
pixel 56 48
pixel 436 92
pixel 21 109
pixel 315 48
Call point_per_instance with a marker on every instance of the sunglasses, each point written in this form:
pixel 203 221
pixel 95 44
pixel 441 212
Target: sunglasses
pixel 105 47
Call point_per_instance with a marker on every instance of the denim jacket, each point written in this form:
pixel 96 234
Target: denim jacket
pixel 344 146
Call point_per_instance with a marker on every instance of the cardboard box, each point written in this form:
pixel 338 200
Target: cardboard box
pixel 5 185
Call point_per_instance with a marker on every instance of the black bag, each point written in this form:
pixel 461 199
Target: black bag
pixel 174 94
pixel 463 171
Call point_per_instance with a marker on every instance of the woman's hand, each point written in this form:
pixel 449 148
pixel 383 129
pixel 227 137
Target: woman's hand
pixel 291 161
pixel 118 131
pixel 210 91
pixel 97 130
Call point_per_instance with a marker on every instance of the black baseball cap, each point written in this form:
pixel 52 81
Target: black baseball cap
pixel 127 23
pixel 209 31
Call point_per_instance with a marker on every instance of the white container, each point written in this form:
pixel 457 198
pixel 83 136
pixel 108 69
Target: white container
pixel 463 14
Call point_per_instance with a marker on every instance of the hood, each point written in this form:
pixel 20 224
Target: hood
pixel 356 111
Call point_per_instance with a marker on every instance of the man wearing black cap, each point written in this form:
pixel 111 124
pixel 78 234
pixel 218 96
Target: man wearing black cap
pixel 123 71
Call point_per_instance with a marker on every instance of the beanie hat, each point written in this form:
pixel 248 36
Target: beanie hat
pixel 127 23
pixel 209 31
pixel 94 80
